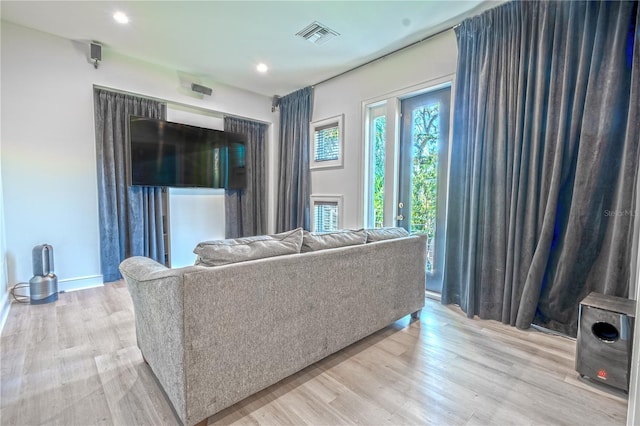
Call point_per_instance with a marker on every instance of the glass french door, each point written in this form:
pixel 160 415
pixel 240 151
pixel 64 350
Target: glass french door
pixel 424 144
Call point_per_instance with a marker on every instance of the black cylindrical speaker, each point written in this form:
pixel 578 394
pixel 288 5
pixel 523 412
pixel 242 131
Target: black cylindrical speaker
pixel 605 336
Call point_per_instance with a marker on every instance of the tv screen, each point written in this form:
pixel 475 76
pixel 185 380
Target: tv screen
pixel 162 153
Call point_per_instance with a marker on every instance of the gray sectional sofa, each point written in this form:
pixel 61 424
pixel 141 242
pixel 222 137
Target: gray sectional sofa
pixel 214 335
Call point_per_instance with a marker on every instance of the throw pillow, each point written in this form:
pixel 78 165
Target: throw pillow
pixel 379 234
pixel 223 252
pixel 321 241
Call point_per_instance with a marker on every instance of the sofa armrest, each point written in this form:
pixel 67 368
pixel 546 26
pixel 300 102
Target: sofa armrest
pixel 141 268
pixel 158 301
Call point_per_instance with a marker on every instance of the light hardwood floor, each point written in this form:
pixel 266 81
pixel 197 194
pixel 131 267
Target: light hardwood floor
pixel 74 362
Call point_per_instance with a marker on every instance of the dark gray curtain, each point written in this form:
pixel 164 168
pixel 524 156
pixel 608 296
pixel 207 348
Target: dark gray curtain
pixel 246 210
pixel 544 160
pixel 130 217
pixel 294 182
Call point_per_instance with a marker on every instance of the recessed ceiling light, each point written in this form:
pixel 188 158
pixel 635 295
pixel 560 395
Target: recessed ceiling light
pixel 121 18
pixel 262 67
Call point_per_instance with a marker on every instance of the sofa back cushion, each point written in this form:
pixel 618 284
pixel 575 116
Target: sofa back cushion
pixel 379 234
pixel 223 252
pixel 313 242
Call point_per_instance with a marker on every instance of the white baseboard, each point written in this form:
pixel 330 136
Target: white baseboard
pixel 80 283
pixel 4 309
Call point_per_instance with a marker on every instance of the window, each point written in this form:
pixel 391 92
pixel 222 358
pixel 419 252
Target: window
pixel 406 145
pixel 377 134
pixel 326 213
pixel 326 217
pixel 424 145
pixel 326 143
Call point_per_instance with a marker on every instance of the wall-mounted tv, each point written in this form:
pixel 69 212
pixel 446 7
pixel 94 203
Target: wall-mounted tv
pixel 162 153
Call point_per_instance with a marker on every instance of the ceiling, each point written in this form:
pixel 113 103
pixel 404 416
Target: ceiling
pixel 223 41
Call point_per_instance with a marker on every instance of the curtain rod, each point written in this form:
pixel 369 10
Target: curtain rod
pixel 181 104
pixel 452 27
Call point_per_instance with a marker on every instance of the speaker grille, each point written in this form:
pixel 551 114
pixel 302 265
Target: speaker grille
pixel 96 52
pixel 201 89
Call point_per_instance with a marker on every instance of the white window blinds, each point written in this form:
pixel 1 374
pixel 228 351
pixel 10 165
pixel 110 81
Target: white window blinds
pixel 326 143
pixel 325 216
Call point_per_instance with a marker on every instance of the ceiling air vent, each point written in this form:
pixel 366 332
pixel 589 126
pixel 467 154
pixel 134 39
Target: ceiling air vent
pixel 317 33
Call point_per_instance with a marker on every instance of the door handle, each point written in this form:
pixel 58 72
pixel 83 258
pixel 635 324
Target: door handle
pixel 400 216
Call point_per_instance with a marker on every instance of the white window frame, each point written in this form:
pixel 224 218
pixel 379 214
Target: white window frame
pixel 328 199
pixel 372 112
pixel 339 121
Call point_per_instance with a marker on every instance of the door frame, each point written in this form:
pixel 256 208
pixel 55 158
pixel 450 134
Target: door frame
pixel 404 180
pixel 392 160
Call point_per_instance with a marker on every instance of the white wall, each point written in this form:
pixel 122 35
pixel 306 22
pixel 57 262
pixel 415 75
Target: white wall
pixel 404 71
pixel 195 117
pixel 48 143
pixel 4 296
pixel 633 408
pixel 195 215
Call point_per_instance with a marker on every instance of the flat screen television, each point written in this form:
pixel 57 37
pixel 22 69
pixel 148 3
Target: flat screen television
pixel 163 153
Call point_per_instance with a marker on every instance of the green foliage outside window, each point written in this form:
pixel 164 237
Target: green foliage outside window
pixel 425 136
pixel 379 125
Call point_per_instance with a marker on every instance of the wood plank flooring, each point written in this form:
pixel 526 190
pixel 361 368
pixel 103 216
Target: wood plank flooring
pixel 75 362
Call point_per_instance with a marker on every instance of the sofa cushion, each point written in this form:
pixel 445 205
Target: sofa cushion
pixel 326 240
pixel 379 234
pixel 223 252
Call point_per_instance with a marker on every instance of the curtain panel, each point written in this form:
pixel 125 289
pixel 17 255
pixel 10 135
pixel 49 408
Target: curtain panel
pixel 130 217
pixel 544 160
pixel 245 210
pixel 294 182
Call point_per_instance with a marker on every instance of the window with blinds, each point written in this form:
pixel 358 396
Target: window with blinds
pixel 326 217
pixel 326 211
pixel 326 143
